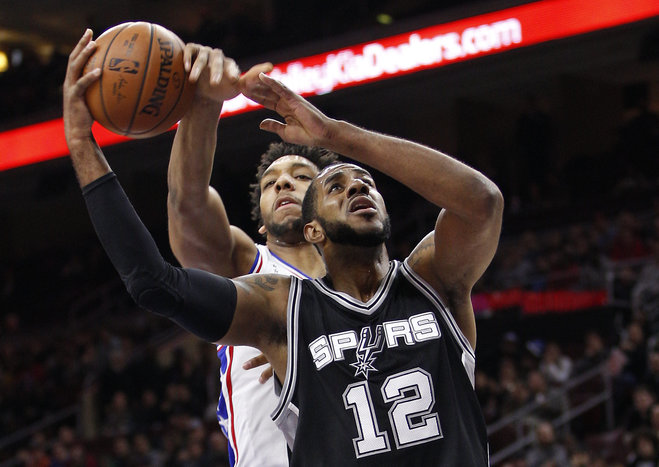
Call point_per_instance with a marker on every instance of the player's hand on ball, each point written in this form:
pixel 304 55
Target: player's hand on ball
pixel 215 74
pixel 77 118
pixel 251 85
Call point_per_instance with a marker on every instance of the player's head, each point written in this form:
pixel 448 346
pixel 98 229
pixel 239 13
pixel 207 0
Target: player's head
pixel 343 205
pixel 282 179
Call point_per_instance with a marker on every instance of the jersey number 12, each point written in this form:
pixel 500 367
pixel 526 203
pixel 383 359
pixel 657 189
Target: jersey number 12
pixel 412 420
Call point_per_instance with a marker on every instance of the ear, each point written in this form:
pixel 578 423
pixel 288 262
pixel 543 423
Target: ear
pixel 262 230
pixel 314 233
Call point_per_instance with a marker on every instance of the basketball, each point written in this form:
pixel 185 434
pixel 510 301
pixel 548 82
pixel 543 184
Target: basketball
pixel 143 88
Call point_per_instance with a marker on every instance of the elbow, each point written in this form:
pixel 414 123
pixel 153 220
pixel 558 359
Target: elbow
pixel 178 205
pixel 187 200
pixel 151 293
pixel 489 201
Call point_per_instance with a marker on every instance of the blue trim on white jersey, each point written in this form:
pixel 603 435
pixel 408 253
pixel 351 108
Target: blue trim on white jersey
pixel 222 413
pixel 289 265
pixel 256 260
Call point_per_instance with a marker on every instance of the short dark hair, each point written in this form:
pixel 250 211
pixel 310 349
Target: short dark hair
pixel 309 202
pixel 319 156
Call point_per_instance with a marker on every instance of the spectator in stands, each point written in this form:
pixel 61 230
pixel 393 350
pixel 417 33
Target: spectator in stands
pixel 651 379
pixel 216 452
pixel 515 398
pixel 59 455
pixel 584 256
pixel 645 293
pixel 555 365
pixel 628 244
pixel 644 450
pixel 654 420
pixel 147 414
pixel 634 345
pixel 487 392
pixel 143 453
pixel 594 353
pixel 121 454
pixel 508 374
pixel 118 416
pixel 546 451
pixel 587 459
pixel 639 415
pixel 81 457
pixel 551 402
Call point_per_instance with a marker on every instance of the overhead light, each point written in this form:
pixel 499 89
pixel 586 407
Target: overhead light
pixel 4 62
pixel 384 18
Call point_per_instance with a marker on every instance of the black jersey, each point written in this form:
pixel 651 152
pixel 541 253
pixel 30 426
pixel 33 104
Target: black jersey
pixel 387 382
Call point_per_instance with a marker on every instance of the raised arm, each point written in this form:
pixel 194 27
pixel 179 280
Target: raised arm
pixel 200 232
pixel 467 230
pixel 245 311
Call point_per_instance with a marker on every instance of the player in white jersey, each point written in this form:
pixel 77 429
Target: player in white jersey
pixel 201 237
pixel 245 404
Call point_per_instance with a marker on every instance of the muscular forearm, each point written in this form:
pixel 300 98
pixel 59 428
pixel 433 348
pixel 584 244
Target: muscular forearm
pixel 191 161
pixel 439 178
pixel 87 158
pixel 198 223
pixel 200 302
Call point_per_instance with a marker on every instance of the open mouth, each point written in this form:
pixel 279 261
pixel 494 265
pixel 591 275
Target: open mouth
pixel 286 201
pixel 361 203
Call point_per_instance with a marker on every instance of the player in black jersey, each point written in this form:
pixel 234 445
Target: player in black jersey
pixel 384 374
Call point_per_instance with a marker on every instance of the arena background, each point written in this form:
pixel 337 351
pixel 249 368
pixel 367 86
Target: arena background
pixel 568 129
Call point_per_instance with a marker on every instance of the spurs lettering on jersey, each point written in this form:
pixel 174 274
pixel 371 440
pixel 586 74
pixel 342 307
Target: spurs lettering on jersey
pixel 418 328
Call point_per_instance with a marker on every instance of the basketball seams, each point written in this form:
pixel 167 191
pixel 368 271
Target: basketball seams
pixel 148 80
pixel 175 105
pixel 100 80
pixel 144 76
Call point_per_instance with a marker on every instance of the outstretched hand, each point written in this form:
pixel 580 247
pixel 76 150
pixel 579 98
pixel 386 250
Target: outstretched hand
pixel 303 123
pixel 77 119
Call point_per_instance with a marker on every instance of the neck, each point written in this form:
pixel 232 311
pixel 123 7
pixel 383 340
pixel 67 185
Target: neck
pixel 357 271
pixel 302 255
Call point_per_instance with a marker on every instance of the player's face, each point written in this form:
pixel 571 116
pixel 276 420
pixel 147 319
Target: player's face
pixel 350 208
pixel 283 186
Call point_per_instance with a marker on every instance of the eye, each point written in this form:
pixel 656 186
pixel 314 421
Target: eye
pixel 334 187
pixel 368 182
pixel 268 184
pixel 303 177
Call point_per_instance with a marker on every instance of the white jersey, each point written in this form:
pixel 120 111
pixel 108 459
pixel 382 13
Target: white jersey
pixel 245 405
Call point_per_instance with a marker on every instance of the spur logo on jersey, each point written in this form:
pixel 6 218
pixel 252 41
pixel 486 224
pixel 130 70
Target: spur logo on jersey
pixel 367 349
pixel 331 348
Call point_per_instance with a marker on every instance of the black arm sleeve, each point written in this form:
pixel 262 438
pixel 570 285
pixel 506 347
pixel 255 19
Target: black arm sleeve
pixel 198 301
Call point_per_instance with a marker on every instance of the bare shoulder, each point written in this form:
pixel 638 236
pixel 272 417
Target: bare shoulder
pixel 422 261
pixel 260 318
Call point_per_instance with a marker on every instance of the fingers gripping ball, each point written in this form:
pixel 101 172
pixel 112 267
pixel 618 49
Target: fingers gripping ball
pixel 143 88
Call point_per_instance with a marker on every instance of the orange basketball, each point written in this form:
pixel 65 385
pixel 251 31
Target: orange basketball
pixel 143 88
